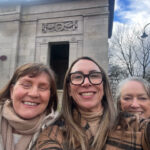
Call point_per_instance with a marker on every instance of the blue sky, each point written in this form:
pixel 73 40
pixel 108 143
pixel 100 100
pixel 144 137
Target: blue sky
pixel 132 11
pixel 121 6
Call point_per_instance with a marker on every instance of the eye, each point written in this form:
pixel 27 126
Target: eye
pixel 43 88
pixel 76 76
pixel 127 98
pixel 26 85
pixel 143 98
pixel 95 75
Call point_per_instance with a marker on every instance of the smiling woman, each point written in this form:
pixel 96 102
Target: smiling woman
pixel 28 103
pixel 132 129
pixel 133 96
pixel 87 110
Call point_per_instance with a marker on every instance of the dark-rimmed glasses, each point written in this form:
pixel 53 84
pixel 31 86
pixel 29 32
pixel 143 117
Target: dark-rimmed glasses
pixel 77 78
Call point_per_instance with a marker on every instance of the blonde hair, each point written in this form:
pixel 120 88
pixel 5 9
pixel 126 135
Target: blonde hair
pixel 146 86
pixel 75 132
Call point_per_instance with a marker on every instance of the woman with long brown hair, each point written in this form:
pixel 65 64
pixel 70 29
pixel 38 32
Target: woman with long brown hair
pixel 87 110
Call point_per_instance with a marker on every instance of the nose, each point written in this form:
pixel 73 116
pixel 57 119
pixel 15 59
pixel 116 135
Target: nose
pixel 86 82
pixel 34 92
pixel 135 103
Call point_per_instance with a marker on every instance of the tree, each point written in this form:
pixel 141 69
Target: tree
pixel 143 56
pixel 147 77
pixel 129 51
pixel 116 73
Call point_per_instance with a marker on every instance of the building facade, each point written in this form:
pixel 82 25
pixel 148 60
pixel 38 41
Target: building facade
pixel 53 32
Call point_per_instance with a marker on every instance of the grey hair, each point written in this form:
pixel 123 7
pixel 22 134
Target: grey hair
pixel 144 82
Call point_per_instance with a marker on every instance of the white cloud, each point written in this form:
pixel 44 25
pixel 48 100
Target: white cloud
pixel 117 6
pixel 137 12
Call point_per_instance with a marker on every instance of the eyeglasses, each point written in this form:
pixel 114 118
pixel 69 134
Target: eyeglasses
pixel 77 78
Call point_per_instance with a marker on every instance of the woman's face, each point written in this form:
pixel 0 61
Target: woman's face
pixel 87 96
pixel 30 96
pixel 134 99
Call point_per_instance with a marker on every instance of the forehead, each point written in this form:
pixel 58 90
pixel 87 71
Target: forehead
pixel 43 76
pixel 85 66
pixel 133 86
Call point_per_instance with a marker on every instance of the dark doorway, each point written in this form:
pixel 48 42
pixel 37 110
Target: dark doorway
pixel 59 58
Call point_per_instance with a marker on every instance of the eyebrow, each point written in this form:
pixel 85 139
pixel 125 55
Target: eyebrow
pixel 89 71
pixel 141 94
pixel 95 71
pixel 30 80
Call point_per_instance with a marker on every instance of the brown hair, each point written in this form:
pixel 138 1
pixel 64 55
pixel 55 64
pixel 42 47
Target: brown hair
pixel 32 69
pixel 74 130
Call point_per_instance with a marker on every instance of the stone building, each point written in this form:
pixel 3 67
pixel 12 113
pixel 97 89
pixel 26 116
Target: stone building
pixel 53 32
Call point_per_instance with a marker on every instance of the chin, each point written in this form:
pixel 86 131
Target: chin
pixel 28 117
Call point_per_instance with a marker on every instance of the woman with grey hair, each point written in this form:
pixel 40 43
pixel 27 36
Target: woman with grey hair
pixel 132 129
pixel 133 96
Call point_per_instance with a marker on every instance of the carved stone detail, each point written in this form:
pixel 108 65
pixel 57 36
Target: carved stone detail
pixel 60 26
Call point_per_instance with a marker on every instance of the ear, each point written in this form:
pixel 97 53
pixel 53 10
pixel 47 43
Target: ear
pixel 11 91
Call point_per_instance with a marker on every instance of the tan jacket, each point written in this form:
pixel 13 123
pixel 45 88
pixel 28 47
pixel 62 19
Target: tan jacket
pixel 131 134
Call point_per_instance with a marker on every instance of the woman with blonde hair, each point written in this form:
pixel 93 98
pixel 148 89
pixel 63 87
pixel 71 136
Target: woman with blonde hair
pixel 132 129
pixel 28 104
pixel 133 96
pixel 87 110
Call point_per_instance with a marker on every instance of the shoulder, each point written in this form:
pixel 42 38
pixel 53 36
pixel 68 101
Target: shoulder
pixel 54 128
pixel 131 132
pixel 52 136
pixel 50 119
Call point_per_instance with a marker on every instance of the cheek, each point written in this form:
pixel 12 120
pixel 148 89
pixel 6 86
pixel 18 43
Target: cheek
pixel 124 105
pixel 46 97
pixel 16 93
pixel 100 90
pixel 71 90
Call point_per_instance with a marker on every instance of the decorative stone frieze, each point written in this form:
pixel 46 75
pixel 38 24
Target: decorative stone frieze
pixel 60 26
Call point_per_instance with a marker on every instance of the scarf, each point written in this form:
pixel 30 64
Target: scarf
pixel 11 121
pixel 92 118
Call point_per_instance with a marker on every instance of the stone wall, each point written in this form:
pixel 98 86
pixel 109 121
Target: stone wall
pixel 26 30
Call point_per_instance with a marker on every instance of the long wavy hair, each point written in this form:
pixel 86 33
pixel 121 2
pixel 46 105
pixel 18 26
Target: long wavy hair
pixel 75 133
pixel 32 69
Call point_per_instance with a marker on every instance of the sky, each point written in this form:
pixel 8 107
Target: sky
pixel 131 12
